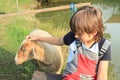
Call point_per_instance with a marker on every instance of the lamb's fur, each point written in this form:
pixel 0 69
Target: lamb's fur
pixel 48 57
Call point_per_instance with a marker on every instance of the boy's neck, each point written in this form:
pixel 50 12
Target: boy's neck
pixel 89 44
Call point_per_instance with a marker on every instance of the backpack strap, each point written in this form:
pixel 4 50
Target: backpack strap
pixel 78 43
pixel 103 47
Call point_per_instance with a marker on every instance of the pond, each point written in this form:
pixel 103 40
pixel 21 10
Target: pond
pixel 114 30
pixel 111 19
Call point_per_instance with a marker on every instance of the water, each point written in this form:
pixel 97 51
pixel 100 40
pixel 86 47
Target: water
pixel 114 30
pixel 111 19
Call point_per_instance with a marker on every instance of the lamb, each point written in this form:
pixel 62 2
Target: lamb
pixel 48 56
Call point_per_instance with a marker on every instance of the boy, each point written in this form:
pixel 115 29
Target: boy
pixel 84 38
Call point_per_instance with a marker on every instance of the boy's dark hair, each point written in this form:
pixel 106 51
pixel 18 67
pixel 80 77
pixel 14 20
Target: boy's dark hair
pixel 87 19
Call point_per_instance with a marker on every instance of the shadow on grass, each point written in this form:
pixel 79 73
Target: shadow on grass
pixel 7 66
pixel 10 71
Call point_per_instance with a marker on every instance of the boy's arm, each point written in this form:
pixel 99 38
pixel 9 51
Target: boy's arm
pixel 103 70
pixel 67 39
pixel 51 40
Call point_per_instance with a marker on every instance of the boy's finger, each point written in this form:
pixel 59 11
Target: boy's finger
pixel 28 37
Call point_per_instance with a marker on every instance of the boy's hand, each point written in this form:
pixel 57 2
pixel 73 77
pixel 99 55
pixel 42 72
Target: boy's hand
pixel 31 37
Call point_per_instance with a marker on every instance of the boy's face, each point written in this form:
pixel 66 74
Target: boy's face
pixel 85 37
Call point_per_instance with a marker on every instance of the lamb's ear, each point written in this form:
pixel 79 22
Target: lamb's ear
pixel 33 51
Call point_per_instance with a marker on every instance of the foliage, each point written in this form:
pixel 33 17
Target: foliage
pixel 111 72
pixel 11 5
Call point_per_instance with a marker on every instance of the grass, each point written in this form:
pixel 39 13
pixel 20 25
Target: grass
pixel 11 36
pixel 14 29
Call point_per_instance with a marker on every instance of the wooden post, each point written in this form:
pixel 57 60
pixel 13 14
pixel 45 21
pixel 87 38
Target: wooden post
pixel 42 10
pixel 17 4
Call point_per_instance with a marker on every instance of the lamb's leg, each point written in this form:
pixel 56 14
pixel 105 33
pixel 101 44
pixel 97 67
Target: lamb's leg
pixel 38 75
pixel 54 77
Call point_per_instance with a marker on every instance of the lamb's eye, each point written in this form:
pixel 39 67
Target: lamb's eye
pixel 24 50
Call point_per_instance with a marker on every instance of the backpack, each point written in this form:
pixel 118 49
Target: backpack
pixel 103 46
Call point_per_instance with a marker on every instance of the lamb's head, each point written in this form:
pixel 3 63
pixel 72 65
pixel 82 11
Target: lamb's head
pixel 25 51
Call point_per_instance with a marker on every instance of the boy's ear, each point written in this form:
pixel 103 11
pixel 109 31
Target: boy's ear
pixel 95 32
